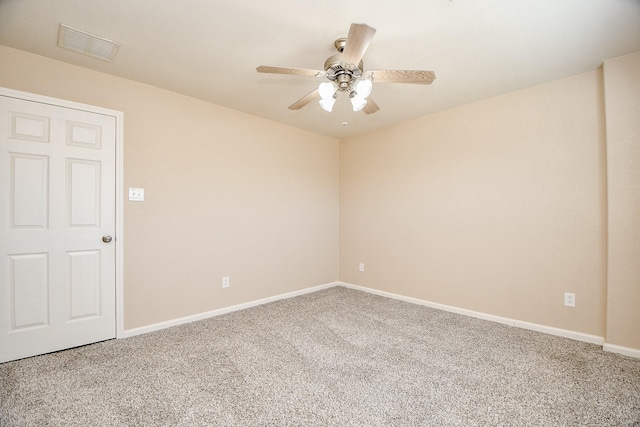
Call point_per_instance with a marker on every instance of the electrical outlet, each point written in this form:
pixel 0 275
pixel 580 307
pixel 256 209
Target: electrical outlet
pixel 225 282
pixel 361 267
pixel 569 299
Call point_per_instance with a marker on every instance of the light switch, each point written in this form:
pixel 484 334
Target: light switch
pixel 136 194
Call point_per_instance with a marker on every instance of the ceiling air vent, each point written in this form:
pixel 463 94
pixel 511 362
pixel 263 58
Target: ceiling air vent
pixel 88 44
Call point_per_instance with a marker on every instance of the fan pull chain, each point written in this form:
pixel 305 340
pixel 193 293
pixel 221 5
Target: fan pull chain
pixel 344 111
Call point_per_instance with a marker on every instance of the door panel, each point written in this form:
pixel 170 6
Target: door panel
pixel 29 127
pixel 84 135
pixel 84 268
pixel 29 185
pixel 57 200
pixel 29 282
pixel 83 193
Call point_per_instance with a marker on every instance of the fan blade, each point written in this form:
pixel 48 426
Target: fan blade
pixel 310 97
pixel 402 76
pixel 291 71
pixel 358 40
pixel 371 106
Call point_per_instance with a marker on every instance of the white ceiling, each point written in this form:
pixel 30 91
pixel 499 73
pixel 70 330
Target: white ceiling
pixel 209 49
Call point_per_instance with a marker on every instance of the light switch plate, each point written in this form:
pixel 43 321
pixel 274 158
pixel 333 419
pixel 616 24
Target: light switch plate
pixel 136 194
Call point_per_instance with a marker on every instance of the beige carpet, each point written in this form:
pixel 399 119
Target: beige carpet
pixel 334 357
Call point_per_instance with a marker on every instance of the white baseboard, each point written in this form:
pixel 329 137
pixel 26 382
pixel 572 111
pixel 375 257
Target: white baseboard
pixel 201 316
pixel 578 336
pixel 625 351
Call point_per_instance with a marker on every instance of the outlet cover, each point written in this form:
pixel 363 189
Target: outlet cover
pixel 225 282
pixel 569 299
pixel 361 267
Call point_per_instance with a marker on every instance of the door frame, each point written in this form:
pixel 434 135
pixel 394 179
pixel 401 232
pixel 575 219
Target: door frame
pixel 119 161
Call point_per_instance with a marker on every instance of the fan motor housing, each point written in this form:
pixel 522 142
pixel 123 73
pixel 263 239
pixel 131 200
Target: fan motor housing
pixel 338 73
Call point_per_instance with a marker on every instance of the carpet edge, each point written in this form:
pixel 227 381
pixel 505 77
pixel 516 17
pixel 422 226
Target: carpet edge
pixel 625 351
pixel 565 333
pixel 220 311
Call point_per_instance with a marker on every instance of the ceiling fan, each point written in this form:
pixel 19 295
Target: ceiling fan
pixel 345 73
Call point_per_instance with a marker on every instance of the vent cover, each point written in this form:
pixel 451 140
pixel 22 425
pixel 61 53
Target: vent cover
pixel 86 43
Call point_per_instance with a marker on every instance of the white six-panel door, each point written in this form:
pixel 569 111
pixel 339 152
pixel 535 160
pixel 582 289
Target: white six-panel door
pixel 57 202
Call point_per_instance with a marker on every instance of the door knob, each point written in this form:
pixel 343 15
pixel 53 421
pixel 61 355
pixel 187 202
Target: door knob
pixel 106 238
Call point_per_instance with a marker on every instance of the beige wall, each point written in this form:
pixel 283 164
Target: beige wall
pixel 622 101
pixel 226 194
pixel 496 206
pixel 499 206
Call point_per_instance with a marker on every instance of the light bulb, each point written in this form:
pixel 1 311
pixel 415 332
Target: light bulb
pixel 326 90
pixel 363 88
pixel 327 104
pixel 358 103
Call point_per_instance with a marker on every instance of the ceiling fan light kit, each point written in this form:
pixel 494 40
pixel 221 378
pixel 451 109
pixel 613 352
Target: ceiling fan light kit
pixel 364 87
pixel 327 104
pixel 358 103
pixel 345 72
pixel 327 90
